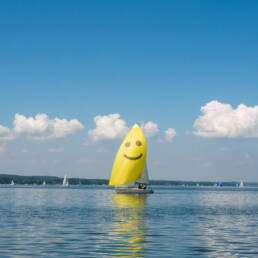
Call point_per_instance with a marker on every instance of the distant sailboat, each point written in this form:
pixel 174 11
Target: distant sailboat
pixel 241 184
pixel 65 181
pixel 130 168
pixel 12 183
pixel 44 182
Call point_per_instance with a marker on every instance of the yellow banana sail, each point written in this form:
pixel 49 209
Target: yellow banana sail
pixel 130 158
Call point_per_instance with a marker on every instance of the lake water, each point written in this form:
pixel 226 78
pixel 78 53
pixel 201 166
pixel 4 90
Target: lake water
pixel 92 221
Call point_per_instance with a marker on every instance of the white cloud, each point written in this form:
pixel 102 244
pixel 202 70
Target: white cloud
pixel 221 120
pixel 3 148
pixel 150 129
pixel 113 127
pixel 108 127
pixel 170 133
pixel 4 130
pixel 43 128
pixel 6 134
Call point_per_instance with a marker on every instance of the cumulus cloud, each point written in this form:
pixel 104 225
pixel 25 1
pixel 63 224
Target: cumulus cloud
pixel 6 134
pixel 221 120
pixel 170 133
pixel 108 127
pixel 150 129
pixel 43 128
pixel 113 127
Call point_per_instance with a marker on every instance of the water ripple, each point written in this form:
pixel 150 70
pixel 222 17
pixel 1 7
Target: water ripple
pixel 94 222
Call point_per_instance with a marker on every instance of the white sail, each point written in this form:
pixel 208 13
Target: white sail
pixel 44 182
pixel 65 181
pixel 144 179
pixel 241 184
pixel 12 183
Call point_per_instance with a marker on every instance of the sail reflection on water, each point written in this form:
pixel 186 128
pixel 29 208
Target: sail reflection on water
pixel 128 228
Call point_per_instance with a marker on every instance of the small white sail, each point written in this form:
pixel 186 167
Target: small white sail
pixel 65 181
pixel 144 179
pixel 12 183
pixel 44 182
pixel 241 184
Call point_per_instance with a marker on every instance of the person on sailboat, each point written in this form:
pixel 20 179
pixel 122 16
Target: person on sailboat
pixel 142 186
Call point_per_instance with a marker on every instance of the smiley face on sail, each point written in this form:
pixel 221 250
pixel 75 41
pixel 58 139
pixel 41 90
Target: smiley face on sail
pixel 128 145
pixel 130 158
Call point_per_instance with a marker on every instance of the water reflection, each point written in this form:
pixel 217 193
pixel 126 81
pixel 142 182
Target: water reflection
pixel 128 227
pixel 228 224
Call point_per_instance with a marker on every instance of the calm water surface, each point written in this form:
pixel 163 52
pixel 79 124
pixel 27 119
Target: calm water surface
pixel 95 222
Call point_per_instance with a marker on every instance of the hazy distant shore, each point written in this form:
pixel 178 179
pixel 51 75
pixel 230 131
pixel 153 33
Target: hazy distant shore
pixel 54 180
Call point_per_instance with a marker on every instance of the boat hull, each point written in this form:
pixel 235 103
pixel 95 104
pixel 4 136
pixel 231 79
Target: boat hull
pixel 133 191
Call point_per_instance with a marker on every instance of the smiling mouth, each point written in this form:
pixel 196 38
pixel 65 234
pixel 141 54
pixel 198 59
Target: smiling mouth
pixel 133 158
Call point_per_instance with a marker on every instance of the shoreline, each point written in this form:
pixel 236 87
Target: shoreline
pixel 6 179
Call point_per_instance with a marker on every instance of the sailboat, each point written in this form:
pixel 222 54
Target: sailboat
pixel 44 182
pixel 12 183
pixel 241 184
pixel 65 181
pixel 130 173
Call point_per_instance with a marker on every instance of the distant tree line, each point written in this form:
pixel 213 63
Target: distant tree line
pixel 50 180
pixel 53 180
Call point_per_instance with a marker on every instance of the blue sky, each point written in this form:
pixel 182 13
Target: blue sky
pixel 158 61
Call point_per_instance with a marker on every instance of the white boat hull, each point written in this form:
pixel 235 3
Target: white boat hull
pixel 134 190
